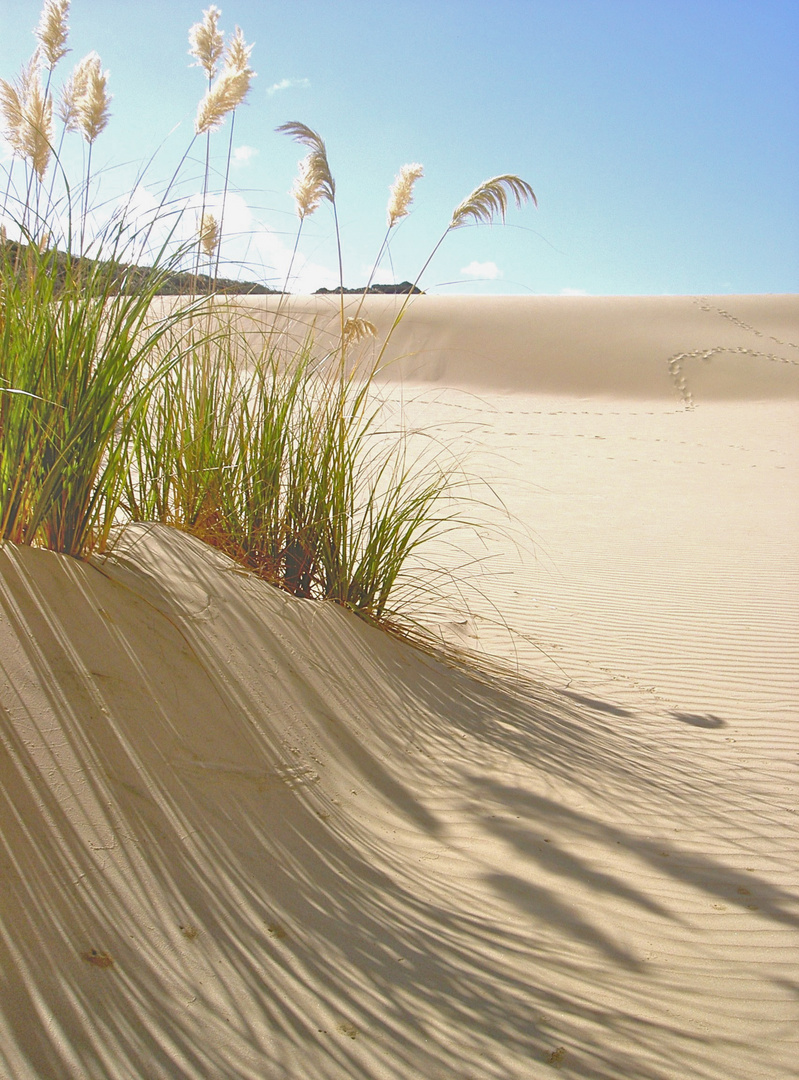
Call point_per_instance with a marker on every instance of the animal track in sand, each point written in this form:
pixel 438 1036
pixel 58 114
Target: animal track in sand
pixel 98 959
pixel 557 1056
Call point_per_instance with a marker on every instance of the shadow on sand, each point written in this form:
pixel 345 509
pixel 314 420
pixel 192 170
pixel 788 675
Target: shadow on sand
pixel 309 850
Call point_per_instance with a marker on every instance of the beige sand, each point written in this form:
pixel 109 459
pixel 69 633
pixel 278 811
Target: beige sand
pixel 248 836
pixel 585 345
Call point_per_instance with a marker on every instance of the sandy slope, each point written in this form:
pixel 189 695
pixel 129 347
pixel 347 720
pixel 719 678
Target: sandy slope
pixel 724 347
pixel 311 851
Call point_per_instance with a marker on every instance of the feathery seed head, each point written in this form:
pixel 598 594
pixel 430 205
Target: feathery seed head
pixel 316 163
pixel 206 41
pixel 27 115
pixel 13 97
pixel 208 232
pixel 237 57
pixel 39 129
pixel 226 94
pixel 491 198
pixel 53 30
pixel 307 188
pixel 71 92
pixel 12 113
pixel 91 99
pixel 356 329
pixel 402 192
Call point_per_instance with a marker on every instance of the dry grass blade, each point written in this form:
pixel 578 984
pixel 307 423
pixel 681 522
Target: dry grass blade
pixel 490 199
pixel 318 169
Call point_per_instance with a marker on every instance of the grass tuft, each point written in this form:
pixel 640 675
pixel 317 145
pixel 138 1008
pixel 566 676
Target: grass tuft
pixel 118 409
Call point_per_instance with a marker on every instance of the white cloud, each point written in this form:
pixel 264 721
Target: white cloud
pixel 238 219
pixel 151 223
pixel 573 292
pixel 288 84
pixel 140 203
pixel 488 270
pixel 250 249
pixel 243 155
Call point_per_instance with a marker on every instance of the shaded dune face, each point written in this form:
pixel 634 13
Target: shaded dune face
pixel 245 834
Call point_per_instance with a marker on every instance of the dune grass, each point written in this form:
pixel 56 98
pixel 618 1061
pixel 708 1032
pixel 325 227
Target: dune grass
pixel 76 373
pixel 116 409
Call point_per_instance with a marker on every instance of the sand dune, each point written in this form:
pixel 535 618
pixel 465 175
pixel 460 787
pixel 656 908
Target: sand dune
pixel 723 346
pixel 248 836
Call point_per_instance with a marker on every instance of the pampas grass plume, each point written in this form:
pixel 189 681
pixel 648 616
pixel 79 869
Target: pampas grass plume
pixel 40 129
pixel 53 30
pixel 206 41
pixel 237 57
pixel 75 91
pixel 226 94
pixel 316 163
pixel 12 108
pixel 356 329
pixel 92 99
pixel 307 189
pixel 71 92
pixel 208 233
pixel 223 97
pixel 491 198
pixel 28 115
pixel 402 192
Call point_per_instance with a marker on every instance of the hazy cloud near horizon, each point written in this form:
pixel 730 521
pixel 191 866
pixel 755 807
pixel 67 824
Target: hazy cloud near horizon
pixel 488 270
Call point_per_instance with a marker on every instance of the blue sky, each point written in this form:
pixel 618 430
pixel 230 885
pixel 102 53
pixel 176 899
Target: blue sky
pixel 660 137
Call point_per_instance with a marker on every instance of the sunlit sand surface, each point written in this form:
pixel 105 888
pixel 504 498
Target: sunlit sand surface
pixel 248 836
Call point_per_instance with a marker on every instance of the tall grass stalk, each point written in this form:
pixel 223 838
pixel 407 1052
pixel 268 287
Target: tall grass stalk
pixel 76 369
pixel 280 463
pixel 317 185
pixel 225 92
pixel 117 408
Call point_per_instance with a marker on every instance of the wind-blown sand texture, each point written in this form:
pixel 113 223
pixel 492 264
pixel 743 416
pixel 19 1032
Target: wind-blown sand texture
pixel 248 836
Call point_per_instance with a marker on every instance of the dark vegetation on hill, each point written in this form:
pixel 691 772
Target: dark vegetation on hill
pixel 124 277
pixel 128 277
pixel 402 289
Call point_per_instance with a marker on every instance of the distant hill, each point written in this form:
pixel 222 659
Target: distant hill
pixel 185 282
pixel 404 287
pixel 127 277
